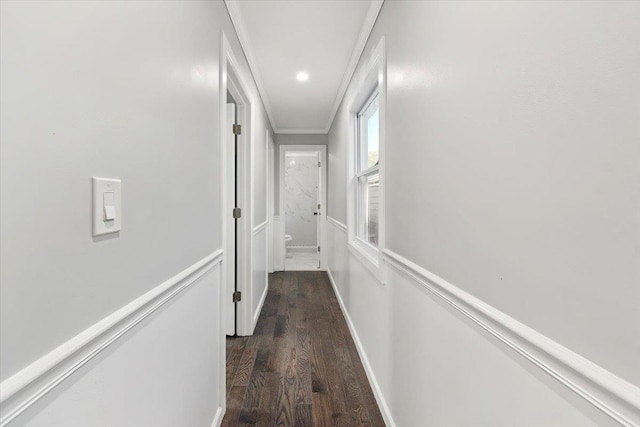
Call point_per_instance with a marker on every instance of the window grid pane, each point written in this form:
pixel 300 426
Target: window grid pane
pixel 367 172
pixel 372 151
pixel 368 207
pixel 372 204
pixel 368 135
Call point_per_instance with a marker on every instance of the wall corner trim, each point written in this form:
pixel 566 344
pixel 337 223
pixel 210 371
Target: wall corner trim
pixel 384 408
pixel 611 394
pixel 26 387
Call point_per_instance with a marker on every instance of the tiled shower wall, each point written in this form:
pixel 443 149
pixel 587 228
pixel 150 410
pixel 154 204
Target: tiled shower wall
pixel 300 199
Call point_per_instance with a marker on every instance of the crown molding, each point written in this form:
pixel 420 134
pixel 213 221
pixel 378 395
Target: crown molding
pixel 243 36
pixel 365 32
pixel 301 131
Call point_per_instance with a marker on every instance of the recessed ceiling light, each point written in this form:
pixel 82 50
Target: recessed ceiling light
pixel 302 76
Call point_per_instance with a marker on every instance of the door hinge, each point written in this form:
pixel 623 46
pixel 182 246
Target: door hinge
pixel 319 164
pixel 237 129
pixel 318 248
pixel 237 296
pixel 318 206
pixel 237 213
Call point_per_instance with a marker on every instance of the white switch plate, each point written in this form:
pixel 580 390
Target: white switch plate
pixel 101 186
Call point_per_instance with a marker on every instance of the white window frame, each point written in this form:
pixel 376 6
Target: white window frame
pixel 371 83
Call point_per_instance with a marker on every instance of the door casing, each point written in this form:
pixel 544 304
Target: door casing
pixel 322 223
pixel 231 80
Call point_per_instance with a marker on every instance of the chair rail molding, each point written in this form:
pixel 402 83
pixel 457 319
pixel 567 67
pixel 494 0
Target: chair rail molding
pixel 25 388
pixel 258 228
pixel 615 397
pixel 340 226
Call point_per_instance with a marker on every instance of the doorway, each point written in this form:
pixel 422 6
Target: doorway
pixel 235 124
pixel 302 207
pixel 232 291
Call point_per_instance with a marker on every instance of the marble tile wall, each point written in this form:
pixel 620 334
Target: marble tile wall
pixel 300 199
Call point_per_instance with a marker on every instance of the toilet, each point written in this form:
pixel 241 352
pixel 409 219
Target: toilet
pixel 287 238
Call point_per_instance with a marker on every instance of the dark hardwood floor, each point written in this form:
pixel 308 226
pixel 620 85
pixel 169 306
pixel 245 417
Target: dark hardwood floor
pixel 301 367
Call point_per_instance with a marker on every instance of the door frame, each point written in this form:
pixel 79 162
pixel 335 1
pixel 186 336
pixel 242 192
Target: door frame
pixel 232 80
pixel 283 149
pixel 271 185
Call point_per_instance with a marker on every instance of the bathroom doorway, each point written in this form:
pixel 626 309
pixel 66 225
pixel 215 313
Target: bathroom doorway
pixel 302 207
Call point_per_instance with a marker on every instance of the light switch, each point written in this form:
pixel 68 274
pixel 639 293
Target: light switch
pixel 107 206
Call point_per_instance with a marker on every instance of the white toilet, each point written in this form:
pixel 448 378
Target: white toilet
pixel 287 238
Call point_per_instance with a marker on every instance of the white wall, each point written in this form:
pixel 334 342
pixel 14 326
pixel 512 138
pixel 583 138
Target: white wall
pixel 259 282
pixel 126 90
pixel 512 173
pixel 259 154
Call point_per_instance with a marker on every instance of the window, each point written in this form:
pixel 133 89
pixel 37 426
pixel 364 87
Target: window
pixel 365 188
pixel 368 171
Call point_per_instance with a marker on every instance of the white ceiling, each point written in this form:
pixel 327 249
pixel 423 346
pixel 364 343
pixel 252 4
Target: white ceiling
pixel 322 37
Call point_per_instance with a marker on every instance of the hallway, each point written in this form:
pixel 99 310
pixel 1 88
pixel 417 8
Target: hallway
pixel 406 213
pixel 301 366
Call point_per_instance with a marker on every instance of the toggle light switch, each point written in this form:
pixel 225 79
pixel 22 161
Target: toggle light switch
pixel 107 206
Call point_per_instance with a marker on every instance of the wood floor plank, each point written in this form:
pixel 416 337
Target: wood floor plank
pixel 246 367
pixel 268 403
pixel 303 415
pixel 254 390
pixel 235 349
pixel 235 399
pixel 301 366
pixel 321 410
pixel 285 405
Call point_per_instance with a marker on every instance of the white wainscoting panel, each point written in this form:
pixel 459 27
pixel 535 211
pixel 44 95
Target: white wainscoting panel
pixel 260 276
pixel 437 356
pixel 278 245
pixel 170 337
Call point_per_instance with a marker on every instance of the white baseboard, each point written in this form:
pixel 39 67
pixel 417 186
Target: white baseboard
pixel 217 420
pixel 256 314
pixel 25 388
pixel 382 404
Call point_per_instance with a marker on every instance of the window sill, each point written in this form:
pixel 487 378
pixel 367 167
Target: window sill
pixel 367 255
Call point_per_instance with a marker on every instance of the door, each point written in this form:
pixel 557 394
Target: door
pixel 319 204
pixel 232 284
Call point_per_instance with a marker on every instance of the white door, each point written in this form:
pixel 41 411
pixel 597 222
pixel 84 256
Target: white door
pixel 230 286
pixel 319 206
